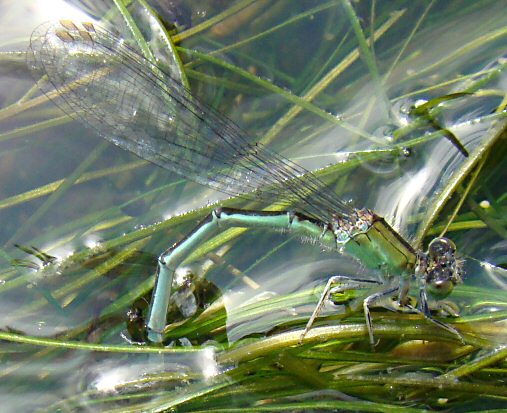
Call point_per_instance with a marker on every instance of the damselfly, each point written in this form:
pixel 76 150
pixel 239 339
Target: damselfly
pixel 109 86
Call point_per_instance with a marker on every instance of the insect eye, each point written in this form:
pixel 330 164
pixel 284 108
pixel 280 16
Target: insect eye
pixel 440 282
pixel 441 289
pixel 441 247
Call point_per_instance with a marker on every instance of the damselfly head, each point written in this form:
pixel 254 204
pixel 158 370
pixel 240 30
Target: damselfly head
pixel 443 268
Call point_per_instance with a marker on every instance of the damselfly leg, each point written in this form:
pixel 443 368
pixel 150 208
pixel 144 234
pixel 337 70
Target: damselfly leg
pixel 335 285
pixel 392 296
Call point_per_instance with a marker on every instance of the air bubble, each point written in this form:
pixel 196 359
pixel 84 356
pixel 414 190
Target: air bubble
pixel 401 110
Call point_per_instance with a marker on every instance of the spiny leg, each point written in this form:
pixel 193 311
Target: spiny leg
pixel 424 309
pixel 220 220
pixel 346 284
pixel 369 302
pixel 399 289
pixel 403 303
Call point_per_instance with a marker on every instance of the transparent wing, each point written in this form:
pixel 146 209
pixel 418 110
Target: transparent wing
pixel 102 81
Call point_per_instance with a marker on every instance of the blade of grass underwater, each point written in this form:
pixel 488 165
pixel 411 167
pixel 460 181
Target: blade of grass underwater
pixel 135 31
pixel 464 194
pixel 96 397
pixel 168 42
pixel 292 20
pixel 368 57
pixel 34 127
pixel 426 383
pixel 473 45
pixel 332 57
pixel 192 391
pixel 276 89
pixel 229 84
pixel 485 360
pixel 386 76
pixel 15 109
pixel 17 57
pixel 324 50
pixel 319 406
pixel 468 166
pixel 99 271
pixel 456 226
pixel 212 21
pixel 269 68
pixel 266 346
pixel 440 85
pixel 177 67
pixel 79 345
pixel 56 196
pixel 475 388
pixel 53 186
pixel 407 41
pixel 29 93
pixel 325 81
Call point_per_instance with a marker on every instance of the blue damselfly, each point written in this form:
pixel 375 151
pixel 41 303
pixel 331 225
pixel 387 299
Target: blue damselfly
pixel 107 84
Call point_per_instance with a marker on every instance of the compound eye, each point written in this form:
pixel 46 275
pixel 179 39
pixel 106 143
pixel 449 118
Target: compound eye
pixel 441 289
pixel 440 282
pixel 441 247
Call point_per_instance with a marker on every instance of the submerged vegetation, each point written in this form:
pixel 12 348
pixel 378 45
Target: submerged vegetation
pixel 377 98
